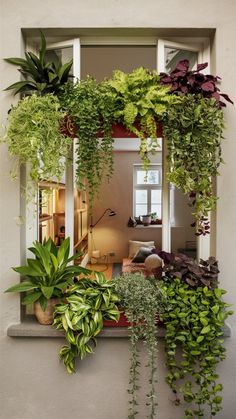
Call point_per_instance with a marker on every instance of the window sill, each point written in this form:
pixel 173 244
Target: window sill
pixel 155 226
pixel 30 328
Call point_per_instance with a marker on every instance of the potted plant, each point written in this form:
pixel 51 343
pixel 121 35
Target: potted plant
pixel 194 319
pixel 146 219
pixel 86 305
pixel 41 76
pixel 141 299
pixel 33 137
pixel 46 277
pixel 194 132
pixel 140 103
pixel 90 108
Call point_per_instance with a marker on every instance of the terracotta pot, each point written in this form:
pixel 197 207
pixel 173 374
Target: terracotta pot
pixel 45 317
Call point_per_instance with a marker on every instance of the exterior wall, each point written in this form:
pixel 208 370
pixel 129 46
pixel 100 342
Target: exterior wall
pixel 98 392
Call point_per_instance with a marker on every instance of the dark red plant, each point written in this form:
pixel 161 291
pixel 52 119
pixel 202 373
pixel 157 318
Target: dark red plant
pixel 179 265
pixel 183 81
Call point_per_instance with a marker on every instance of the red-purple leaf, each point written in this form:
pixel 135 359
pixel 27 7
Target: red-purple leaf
pixel 202 66
pixel 226 97
pixel 183 65
pixel 208 86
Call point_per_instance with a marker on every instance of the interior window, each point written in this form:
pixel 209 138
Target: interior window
pixel 147 191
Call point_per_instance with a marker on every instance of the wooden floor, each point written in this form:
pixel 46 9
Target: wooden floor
pixel 105 268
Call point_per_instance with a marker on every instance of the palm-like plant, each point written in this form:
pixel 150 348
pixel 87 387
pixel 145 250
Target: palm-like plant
pixel 41 76
pixel 49 274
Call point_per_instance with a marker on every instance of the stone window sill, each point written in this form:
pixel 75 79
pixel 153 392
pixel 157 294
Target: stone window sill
pixel 30 328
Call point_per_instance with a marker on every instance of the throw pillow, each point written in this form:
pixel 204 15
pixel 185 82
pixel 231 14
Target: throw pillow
pixel 134 246
pixel 142 254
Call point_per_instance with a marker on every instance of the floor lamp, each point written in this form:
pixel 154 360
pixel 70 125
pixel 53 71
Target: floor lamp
pixel 94 253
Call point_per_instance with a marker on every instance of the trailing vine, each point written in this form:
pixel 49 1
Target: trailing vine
pixel 91 109
pixel 81 315
pixel 194 320
pixel 141 299
pixel 33 137
pixel 140 101
pixel 194 131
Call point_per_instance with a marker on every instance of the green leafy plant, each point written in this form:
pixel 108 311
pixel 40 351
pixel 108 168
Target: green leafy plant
pixel 140 102
pixel 49 274
pixel 194 131
pixel 194 320
pixel 33 137
pixel 91 108
pixel 41 76
pixel 141 299
pixel 81 316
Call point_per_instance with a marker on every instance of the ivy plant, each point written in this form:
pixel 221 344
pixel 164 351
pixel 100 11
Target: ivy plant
pixel 194 320
pixel 194 131
pixel 141 299
pixel 81 314
pixel 33 137
pixel 91 110
pixel 140 102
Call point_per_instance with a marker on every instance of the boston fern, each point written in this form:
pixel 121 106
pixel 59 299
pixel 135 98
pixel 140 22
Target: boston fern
pixel 140 102
pixel 81 316
pixel 141 299
pixel 91 108
pixel 194 131
pixel 194 320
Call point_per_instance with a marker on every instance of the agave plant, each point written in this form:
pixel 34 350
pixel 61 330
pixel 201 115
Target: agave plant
pixel 41 76
pixel 49 274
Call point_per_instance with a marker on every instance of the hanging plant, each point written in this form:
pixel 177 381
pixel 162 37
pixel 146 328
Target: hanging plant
pixel 140 103
pixel 91 109
pixel 141 299
pixel 33 137
pixel 194 131
pixel 81 314
pixel 194 320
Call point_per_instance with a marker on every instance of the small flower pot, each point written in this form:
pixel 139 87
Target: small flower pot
pixel 45 317
pixel 146 220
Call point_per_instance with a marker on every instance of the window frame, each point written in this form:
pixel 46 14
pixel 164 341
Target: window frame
pixel 146 186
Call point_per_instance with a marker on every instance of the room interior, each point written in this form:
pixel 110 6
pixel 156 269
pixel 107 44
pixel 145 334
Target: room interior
pixel 107 242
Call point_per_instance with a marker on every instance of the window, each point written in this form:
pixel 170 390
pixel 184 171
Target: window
pixel 147 190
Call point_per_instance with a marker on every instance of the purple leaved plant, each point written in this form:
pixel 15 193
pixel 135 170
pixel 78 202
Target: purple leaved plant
pixel 179 265
pixel 184 81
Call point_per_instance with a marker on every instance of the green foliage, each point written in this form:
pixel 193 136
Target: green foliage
pixel 141 299
pixel 139 97
pixel 81 316
pixel 41 76
pixel 193 129
pixel 194 321
pixel 33 137
pixel 49 274
pixel 91 108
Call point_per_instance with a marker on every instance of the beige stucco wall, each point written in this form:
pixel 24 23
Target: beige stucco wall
pixel 98 392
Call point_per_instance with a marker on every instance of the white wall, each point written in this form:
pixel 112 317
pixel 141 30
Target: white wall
pixel 25 361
